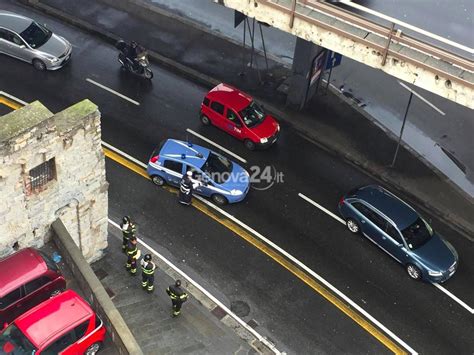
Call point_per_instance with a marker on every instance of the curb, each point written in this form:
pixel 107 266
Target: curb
pixel 126 5
pixel 451 220
pixel 262 345
pixel 116 327
pixel 258 346
pixel 210 82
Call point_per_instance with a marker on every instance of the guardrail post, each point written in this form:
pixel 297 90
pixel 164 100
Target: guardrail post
pixel 292 18
pixel 385 52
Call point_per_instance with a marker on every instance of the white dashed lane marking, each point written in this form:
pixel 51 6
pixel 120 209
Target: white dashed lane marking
pixel 216 145
pixel 339 219
pixel 113 91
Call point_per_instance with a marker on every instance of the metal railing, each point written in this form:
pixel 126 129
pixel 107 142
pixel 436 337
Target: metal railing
pixel 392 34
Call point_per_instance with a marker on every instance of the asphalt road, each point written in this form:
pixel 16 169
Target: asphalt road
pixel 292 314
pixel 428 133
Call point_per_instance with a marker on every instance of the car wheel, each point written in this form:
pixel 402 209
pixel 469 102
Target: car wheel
pixel 352 225
pixel 93 349
pixel 205 120
pixel 219 199
pixel 39 65
pixel 249 144
pixel 148 74
pixel 158 180
pixel 413 271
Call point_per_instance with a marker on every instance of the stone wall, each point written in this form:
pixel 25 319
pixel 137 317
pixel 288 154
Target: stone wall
pixel 51 166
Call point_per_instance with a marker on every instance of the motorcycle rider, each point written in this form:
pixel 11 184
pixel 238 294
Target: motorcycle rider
pixel 131 52
pixel 134 58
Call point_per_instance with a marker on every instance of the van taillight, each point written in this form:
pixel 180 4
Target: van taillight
pixel 155 159
pixel 341 201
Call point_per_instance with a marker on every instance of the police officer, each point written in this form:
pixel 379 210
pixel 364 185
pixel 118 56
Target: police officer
pixel 178 297
pixel 128 229
pixel 148 272
pixel 133 254
pixel 186 189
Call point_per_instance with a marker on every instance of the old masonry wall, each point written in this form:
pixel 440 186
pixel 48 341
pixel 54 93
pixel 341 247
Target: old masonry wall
pixel 52 166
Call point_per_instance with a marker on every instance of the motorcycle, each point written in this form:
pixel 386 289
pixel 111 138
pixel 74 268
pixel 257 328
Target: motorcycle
pixel 141 66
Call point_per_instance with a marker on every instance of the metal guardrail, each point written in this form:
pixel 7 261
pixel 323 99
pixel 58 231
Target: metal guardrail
pixel 391 34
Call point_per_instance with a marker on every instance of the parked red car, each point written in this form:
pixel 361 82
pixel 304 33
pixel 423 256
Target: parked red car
pixel 64 324
pixel 236 113
pixel 27 278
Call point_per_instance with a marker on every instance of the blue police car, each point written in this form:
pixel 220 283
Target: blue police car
pixel 216 176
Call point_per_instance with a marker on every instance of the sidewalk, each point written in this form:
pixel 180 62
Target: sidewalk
pixel 195 331
pixel 331 121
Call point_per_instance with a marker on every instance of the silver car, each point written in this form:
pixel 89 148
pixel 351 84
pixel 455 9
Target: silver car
pixel 25 39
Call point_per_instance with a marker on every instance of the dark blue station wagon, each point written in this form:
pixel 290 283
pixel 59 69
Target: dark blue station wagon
pixel 400 231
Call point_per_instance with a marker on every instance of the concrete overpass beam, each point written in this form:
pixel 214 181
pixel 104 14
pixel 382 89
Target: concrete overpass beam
pixel 402 61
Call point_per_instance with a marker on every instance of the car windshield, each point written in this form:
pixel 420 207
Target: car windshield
pixel 36 35
pixel 252 115
pixel 417 233
pixel 217 167
pixel 13 341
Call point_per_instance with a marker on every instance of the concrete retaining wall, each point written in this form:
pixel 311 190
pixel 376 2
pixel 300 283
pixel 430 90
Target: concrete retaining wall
pixel 94 291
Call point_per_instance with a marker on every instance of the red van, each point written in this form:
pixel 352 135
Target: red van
pixel 27 278
pixel 236 113
pixel 64 324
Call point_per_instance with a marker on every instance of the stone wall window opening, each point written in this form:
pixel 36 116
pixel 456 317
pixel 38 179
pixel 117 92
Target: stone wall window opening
pixel 40 175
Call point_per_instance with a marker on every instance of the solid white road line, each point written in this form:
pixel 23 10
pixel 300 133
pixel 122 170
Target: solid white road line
pixel 118 151
pixel 207 293
pixel 422 98
pixel 296 262
pixel 311 272
pixel 462 303
pixel 216 145
pixel 11 97
pixel 113 91
pixel 337 218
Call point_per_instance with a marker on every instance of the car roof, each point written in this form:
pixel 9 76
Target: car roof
pixel 14 21
pixel 52 317
pixel 398 211
pixel 230 96
pixel 194 154
pixel 19 268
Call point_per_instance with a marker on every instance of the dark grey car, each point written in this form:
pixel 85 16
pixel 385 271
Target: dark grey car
pixel 400 231
pixel 27 40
